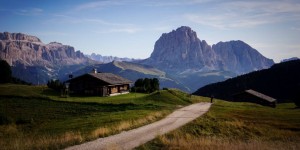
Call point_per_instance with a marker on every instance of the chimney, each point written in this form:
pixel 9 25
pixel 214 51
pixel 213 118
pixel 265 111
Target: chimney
pixel 95 71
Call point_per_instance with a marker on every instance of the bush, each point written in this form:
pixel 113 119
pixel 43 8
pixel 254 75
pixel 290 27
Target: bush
pixel 297 102
pixel 5 120
pixel 146 85
pixel 55 85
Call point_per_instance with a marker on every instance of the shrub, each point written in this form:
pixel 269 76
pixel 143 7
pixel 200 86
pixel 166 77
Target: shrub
pixel 146 85
pixel 55 85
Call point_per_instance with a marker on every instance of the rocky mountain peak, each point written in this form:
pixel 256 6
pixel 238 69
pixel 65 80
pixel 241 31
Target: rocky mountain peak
pixel 240 57
pixel 181 49
pixel 18 37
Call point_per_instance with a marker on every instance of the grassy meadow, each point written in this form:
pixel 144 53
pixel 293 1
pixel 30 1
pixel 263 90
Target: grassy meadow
pixel 235 126
pixel 35 117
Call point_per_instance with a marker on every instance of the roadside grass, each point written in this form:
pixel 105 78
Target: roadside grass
pixel 230 125
pixel 35 117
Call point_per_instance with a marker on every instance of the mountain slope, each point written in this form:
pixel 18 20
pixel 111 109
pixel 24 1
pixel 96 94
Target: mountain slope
pixel 281 81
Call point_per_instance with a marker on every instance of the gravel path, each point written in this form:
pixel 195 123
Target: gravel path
pixel 136 137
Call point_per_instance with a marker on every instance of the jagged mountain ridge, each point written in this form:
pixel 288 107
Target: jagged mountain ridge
pixel 187 61
pixel 181 50
pixel 36 62
pixel 29 50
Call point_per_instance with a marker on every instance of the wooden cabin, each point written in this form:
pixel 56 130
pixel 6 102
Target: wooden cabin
pixel 255 97
pixel 99 84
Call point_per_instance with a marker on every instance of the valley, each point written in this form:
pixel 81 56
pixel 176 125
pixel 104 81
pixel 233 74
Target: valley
pixel 178 60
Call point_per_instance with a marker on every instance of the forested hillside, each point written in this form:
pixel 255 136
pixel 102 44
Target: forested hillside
pixel 281 81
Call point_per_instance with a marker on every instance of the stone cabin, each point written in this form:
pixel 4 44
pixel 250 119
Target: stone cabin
pixel 255 97
pixel 99 84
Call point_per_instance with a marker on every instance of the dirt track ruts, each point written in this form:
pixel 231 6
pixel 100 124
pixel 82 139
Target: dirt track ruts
pixel 136 137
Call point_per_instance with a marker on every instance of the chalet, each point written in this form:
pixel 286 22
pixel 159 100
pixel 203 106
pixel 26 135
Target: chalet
pixel 255 97
pixel 100 84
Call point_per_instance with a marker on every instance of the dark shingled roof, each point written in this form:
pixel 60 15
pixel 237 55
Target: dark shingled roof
pixel 110 78
pixel 260 95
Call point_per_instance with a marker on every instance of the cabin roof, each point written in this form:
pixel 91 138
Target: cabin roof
pixel 110 78
pixel 260 95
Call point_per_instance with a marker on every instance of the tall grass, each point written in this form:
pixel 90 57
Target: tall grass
pixel 187 141
pixel 14 138
pixel 126 125
pixel 231 125
pixel 35 117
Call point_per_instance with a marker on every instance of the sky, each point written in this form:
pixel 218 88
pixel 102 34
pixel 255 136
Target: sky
pixel 130 28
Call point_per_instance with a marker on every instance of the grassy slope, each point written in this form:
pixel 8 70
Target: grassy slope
pixel 35 117
pixel 139 68
pixel 237 126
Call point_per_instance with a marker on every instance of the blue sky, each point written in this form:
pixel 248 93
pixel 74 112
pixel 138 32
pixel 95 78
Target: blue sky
pixel 129 28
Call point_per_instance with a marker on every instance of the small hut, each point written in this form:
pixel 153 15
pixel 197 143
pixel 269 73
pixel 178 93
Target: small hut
pixel 99 84
pixel 255 97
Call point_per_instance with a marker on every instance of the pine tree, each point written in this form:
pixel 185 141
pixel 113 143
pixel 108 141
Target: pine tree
pixel 5 72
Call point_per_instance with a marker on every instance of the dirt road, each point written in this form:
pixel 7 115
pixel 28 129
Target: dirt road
pixel 133 138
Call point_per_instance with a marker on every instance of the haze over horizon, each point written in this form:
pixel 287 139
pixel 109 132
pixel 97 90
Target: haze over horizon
pixel 130 28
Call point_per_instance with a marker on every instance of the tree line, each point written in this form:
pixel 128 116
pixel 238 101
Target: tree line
pixel 145 85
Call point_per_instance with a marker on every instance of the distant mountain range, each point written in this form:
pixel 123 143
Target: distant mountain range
pixel 108 59
pixel 281 81
pixel 289 59
pixel 179 59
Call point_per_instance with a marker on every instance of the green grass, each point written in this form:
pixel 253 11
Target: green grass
pixel 35 117
pixel 230 125
pixel 21 90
